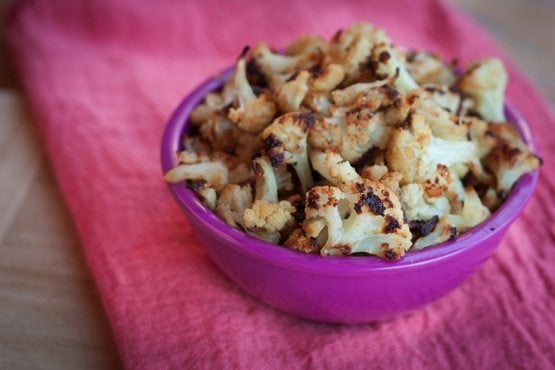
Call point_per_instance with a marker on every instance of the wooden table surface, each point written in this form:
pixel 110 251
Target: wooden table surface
pixel 50 312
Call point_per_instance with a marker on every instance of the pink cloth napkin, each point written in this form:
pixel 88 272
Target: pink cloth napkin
pixel 102 78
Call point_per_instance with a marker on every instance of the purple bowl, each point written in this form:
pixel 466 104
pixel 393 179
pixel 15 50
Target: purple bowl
pixel 339 289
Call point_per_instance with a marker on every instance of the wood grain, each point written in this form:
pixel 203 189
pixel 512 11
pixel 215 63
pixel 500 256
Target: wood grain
pixel 50 313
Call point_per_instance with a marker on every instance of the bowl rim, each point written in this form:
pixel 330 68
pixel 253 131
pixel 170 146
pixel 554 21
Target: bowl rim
pixel 334 265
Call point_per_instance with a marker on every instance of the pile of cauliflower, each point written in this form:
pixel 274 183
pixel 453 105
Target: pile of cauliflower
pixel 353 146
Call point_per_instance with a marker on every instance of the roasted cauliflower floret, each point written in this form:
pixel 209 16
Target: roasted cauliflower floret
pixel 215 173
pixel 362 216
pixel 442 232
pixel 327 78
pixel 285 141
pixel 351 48
pixel 389 64
pixel 420 206
pixel 415 153
pixel 485 83
pixel 509 159
pixel 270 180
pixel 266 219
pixel 333 167
pixel 232 202
pixel 254 112
pixel 298 240
pixel 291 94
pixel 352 131
pixel 279 64
pixel 427 68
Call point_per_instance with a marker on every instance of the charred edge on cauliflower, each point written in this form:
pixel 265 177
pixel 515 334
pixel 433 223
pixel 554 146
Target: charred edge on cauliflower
pixel 391 224
pixel 370 200
pixel 272 145
pixel 420 228
pixel 304 120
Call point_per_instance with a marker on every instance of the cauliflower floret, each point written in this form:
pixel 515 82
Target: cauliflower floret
pixel 194 151
pixel 327 78
pixel 448 226
pixel 306 44
pixel 248 146
pixel 278 64
pixel 380 173
pixel 353 131
pixel 351 48
pixel 352 93
pixel 318 103
pixel 419 206
pixel 362 216
pixel 285 141
pixel 333 167
pixel 215 173
pixel 266 219
pixel 238 172
pixel 220 132
pixel 270 180
pixel 254 112
pixel 443 231
pixel 389 64
pixel 213 104
pixel 415 153
pixel 473 211
pixel 291 94
pixel 233 201
pixel 298 240
pixel 509 157
pixel 485 83
pixel 428 68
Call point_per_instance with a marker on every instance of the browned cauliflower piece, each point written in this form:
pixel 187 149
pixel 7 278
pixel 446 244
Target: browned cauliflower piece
pixel 232 203
pixel 298 240
pixel 428 68
pixel 389 63
pixel 254 112
pixel 510 158
pixel 285 142
pixel 291 94
pixel 270 180
pixel 327 78
pixel 215 173
pixel 279 64
pixel 362 216
pixel 485 83
pixel 333 167
pixel 415 153
pixel 351 48
pixel 266 219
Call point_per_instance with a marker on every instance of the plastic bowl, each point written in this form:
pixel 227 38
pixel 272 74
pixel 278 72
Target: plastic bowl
pixel 339 289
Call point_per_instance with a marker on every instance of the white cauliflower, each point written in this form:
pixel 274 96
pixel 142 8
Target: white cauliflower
pixel 278 64
pixel 510 158
pixel 215 173
pixel 485 83
pixel 333 167
pixel 291 94
pixel 266 219
pixel 232 202
pixel 362 216
pixel 254 112
pixel 389 64
pixel 270 180
pixel 427 68
pixel 415 153
pixel 285 141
